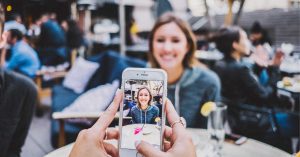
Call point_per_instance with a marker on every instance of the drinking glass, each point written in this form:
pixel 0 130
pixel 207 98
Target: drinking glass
pixel 216 127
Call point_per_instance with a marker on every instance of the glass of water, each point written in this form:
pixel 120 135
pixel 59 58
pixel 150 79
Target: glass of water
pixel 216 127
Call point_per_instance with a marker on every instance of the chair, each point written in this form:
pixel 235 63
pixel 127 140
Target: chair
pixel 251 120
pixel 287 123
pixel 55 76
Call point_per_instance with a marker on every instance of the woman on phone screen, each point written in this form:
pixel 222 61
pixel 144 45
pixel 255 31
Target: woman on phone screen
pixel 144 112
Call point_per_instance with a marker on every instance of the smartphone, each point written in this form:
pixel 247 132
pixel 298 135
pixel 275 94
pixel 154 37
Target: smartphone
pixel 142 113
pixel 235 139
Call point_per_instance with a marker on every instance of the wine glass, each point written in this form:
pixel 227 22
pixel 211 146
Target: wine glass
pixel 216 127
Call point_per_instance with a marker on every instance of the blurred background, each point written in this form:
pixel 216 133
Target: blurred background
pixel 107 31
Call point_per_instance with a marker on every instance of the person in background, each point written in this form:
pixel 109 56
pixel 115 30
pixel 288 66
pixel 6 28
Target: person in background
pixel 239 84
pixel 264 60
pixel 258 35
pixel 23 58
pixel 172 47
pixel 202 36
pixel 158 103
pixel 18 97
pixel 15 23
pixel 144 111
pixel 34 29
pixel 52 43
pixel 74 35
pixel 248 100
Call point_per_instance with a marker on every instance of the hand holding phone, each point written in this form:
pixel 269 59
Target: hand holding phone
pixel 177 142
pixel 90 142
pixel 144 91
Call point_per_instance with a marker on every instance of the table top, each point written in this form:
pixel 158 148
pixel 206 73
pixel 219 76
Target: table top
pixel 149 133
pixel 251 148
pixel 294 87
pixel 290 67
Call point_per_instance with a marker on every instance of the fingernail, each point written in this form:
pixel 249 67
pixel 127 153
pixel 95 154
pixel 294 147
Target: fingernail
pixel 136 143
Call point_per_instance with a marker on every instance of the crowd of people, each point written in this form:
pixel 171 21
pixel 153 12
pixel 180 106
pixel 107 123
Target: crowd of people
pixel 45 42
pixel 246 75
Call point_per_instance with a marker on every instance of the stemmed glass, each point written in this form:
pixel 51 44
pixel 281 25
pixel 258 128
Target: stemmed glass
pixel 216 127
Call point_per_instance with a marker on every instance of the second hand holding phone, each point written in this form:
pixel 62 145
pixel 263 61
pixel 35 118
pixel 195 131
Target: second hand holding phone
pixel 142 115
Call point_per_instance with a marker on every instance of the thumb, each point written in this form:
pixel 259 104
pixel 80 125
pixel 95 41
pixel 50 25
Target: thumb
pixel 147 149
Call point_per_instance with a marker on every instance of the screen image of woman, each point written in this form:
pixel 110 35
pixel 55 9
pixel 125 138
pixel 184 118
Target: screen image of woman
pixel 144 111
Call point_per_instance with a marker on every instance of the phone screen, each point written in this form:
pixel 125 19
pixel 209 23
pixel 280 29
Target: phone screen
pixel 142 112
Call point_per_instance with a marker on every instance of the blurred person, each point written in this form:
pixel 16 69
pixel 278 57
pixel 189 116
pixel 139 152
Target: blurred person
pixel 202 36
pixel 52 43
pixel 258 36
pixel 249 101
pixel 52 16
pixel 266 67
pixel 34 29
pixel 239 84
pixel 264 60
pixel 129 103
pixel 158 103
pixel 15 23
pixel 190 84
pixel 23 58
pixel 74 35
pixel 90 142
pixel 18 96
pixel 144 111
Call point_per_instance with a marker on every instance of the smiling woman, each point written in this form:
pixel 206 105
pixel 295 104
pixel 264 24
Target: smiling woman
pixel 172 48
pixel 144 97
pixel 144 111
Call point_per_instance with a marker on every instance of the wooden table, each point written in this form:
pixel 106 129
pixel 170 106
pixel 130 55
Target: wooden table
pixel 251 148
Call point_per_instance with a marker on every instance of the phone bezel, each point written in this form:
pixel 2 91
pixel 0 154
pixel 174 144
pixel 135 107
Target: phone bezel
pixel 143 74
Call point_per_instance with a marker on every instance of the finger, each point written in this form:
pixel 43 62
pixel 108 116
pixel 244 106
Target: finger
pixel 110 149
pixel 147 149
pixel 167 145
pixel 112 133
pixel 168 132
pixel 172 115
pixel 107 117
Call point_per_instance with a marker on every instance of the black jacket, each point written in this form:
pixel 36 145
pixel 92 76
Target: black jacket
pixel 240 85
pixel 18 96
